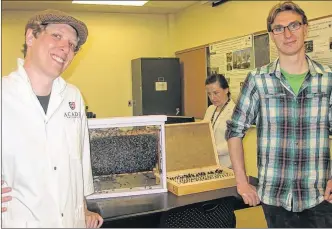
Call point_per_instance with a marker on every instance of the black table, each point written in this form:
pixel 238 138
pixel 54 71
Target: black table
pixel 139 208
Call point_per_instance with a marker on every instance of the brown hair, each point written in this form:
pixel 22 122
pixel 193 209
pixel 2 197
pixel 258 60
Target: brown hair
pixel 285 6
pixel 220 78
pixel 36 30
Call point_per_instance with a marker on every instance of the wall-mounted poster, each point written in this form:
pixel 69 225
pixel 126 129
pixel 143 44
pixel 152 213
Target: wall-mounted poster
pixel 234 59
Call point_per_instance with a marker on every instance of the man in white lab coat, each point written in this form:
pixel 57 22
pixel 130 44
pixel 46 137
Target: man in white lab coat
pixel 46 168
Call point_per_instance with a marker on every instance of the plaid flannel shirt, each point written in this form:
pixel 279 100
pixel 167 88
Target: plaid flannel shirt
pixel 293 153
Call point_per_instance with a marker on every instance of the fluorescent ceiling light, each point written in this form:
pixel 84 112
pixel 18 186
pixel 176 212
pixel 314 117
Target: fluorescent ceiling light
pixel 117 3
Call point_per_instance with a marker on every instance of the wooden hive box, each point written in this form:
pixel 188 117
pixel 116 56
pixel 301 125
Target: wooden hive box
pixel 192 163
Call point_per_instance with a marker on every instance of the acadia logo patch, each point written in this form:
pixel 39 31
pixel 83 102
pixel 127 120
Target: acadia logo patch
pixel 72 105
pixel 72 114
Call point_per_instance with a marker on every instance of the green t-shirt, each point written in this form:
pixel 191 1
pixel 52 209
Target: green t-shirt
pixel 294 80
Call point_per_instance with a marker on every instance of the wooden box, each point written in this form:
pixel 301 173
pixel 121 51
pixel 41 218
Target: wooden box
pixel 192 160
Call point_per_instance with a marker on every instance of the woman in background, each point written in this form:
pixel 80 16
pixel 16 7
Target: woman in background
pixel 218 113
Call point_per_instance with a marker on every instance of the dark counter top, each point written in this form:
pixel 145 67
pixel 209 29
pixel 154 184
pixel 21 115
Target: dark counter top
pixel 123 207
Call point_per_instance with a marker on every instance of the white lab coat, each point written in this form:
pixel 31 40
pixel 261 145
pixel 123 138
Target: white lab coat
pixel 219 130
pixel 45 158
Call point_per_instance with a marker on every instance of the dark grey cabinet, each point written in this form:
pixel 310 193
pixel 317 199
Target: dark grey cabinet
pixel 156 86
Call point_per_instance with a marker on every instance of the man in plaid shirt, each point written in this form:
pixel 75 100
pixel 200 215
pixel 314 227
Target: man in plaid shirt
pixel 290 102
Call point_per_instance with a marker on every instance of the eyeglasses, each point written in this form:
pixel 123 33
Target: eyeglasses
pixel 291 27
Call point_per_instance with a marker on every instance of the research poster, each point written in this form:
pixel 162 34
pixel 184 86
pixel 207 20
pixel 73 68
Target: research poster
pixel 318 44
pixel 233 58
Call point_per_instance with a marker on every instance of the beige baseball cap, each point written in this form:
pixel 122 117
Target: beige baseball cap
pixel 59 17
